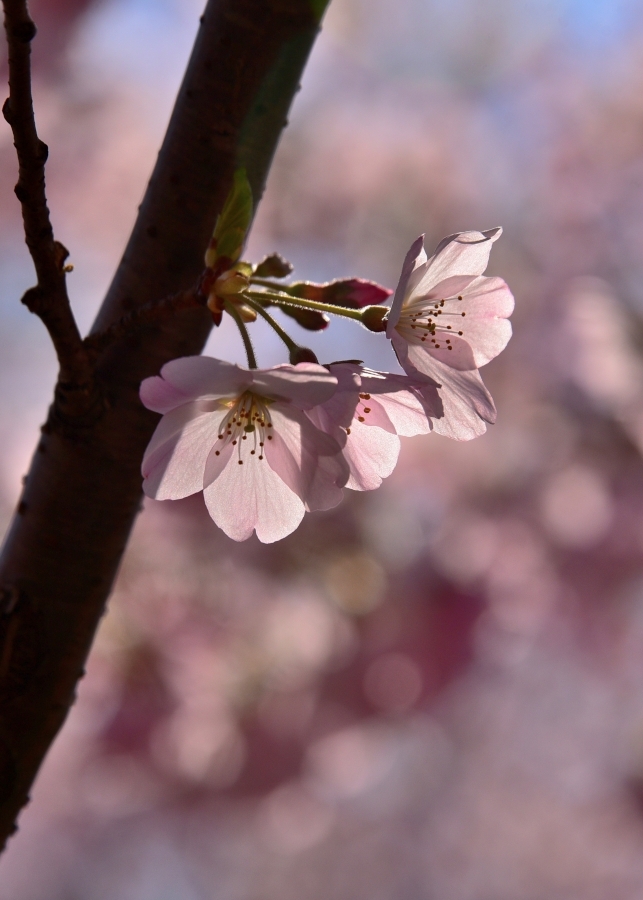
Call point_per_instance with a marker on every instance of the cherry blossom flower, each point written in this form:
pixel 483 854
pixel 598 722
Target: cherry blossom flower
pixel 368 411
pixel 447 320
pixel 242 437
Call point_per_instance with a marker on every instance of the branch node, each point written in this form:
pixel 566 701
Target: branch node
pixel 21 192
pixel 32 299
pixel 24 31
pixel 61 253
pixel 6 110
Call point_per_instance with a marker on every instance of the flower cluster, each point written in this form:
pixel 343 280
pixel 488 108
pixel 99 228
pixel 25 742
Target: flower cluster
pixel 266 445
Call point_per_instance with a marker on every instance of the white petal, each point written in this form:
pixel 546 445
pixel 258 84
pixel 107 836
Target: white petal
pixel 325 490
pixel 466 401
pixel 252 497
pixel 197 376
pixel 465 253
pixel 415 258
pixel 406 413
pixel 371 454
pixel 175 458
pixel 159 395
pixel 296 447
pixel 306 384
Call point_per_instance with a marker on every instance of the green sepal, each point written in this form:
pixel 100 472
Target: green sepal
pixel 245 268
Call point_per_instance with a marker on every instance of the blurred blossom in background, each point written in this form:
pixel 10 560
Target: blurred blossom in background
pixel 436 689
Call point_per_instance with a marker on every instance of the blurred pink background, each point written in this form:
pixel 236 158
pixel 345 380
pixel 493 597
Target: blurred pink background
pixel 435 691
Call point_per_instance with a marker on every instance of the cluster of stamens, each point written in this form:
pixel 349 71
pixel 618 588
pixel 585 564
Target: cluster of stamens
pixel 427 322
pixel 248 417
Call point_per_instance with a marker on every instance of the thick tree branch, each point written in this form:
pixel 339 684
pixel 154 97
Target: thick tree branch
pixel 84 487
pixel 48 300
pixel 148 314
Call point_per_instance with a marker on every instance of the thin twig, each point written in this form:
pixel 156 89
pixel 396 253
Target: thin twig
pixel 285 337
pixel 243 331
pixel 142 315
pixel 48 300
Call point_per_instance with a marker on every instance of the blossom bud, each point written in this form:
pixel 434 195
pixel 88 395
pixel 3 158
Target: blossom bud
pixel 352 293
pixel 230 283
pixel 373 317
pixel 246 312
pixel 302 354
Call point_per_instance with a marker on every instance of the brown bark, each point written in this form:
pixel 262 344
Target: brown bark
pixel 84 487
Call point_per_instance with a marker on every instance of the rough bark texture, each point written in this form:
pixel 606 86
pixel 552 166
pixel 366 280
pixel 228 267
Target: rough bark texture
pixel 84 487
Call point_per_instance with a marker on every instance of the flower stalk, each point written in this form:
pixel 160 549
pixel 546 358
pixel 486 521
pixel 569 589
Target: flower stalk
pixel 292 346
pixel 232 310
pixel 281 299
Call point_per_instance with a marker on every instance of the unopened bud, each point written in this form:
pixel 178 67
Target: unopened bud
pixel 230 283
pixel 211 254
pixel 302 355
pixel 246 312
pixel 373 317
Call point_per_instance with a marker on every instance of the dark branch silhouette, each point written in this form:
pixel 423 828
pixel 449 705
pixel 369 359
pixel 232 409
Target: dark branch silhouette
pixel 48 299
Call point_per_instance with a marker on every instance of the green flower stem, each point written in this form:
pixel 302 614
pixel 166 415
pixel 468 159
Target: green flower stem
pixel 267 282
pixel 243 331
pixel 287 300
pixel 285 337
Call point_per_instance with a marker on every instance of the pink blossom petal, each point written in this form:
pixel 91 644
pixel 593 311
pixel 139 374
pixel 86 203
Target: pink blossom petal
pixel 459 357
pixel 174 462
pixel 252 497
pixel 464 253
pixel 199 376
pixel 325 489
pixel 295 448
pixel 466 401
pixel 409 404
pixel 159 395
pixel 486 304
pixel 305 384
pixel 415 258
pixel 376 417
pixel 450 287
pixel 340 409
pixel 489 298
pixel 216 461
pixel 406 413
pixel 371 455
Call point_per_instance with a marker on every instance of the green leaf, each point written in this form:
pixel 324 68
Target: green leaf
pixel 319 8
pixel 234 221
